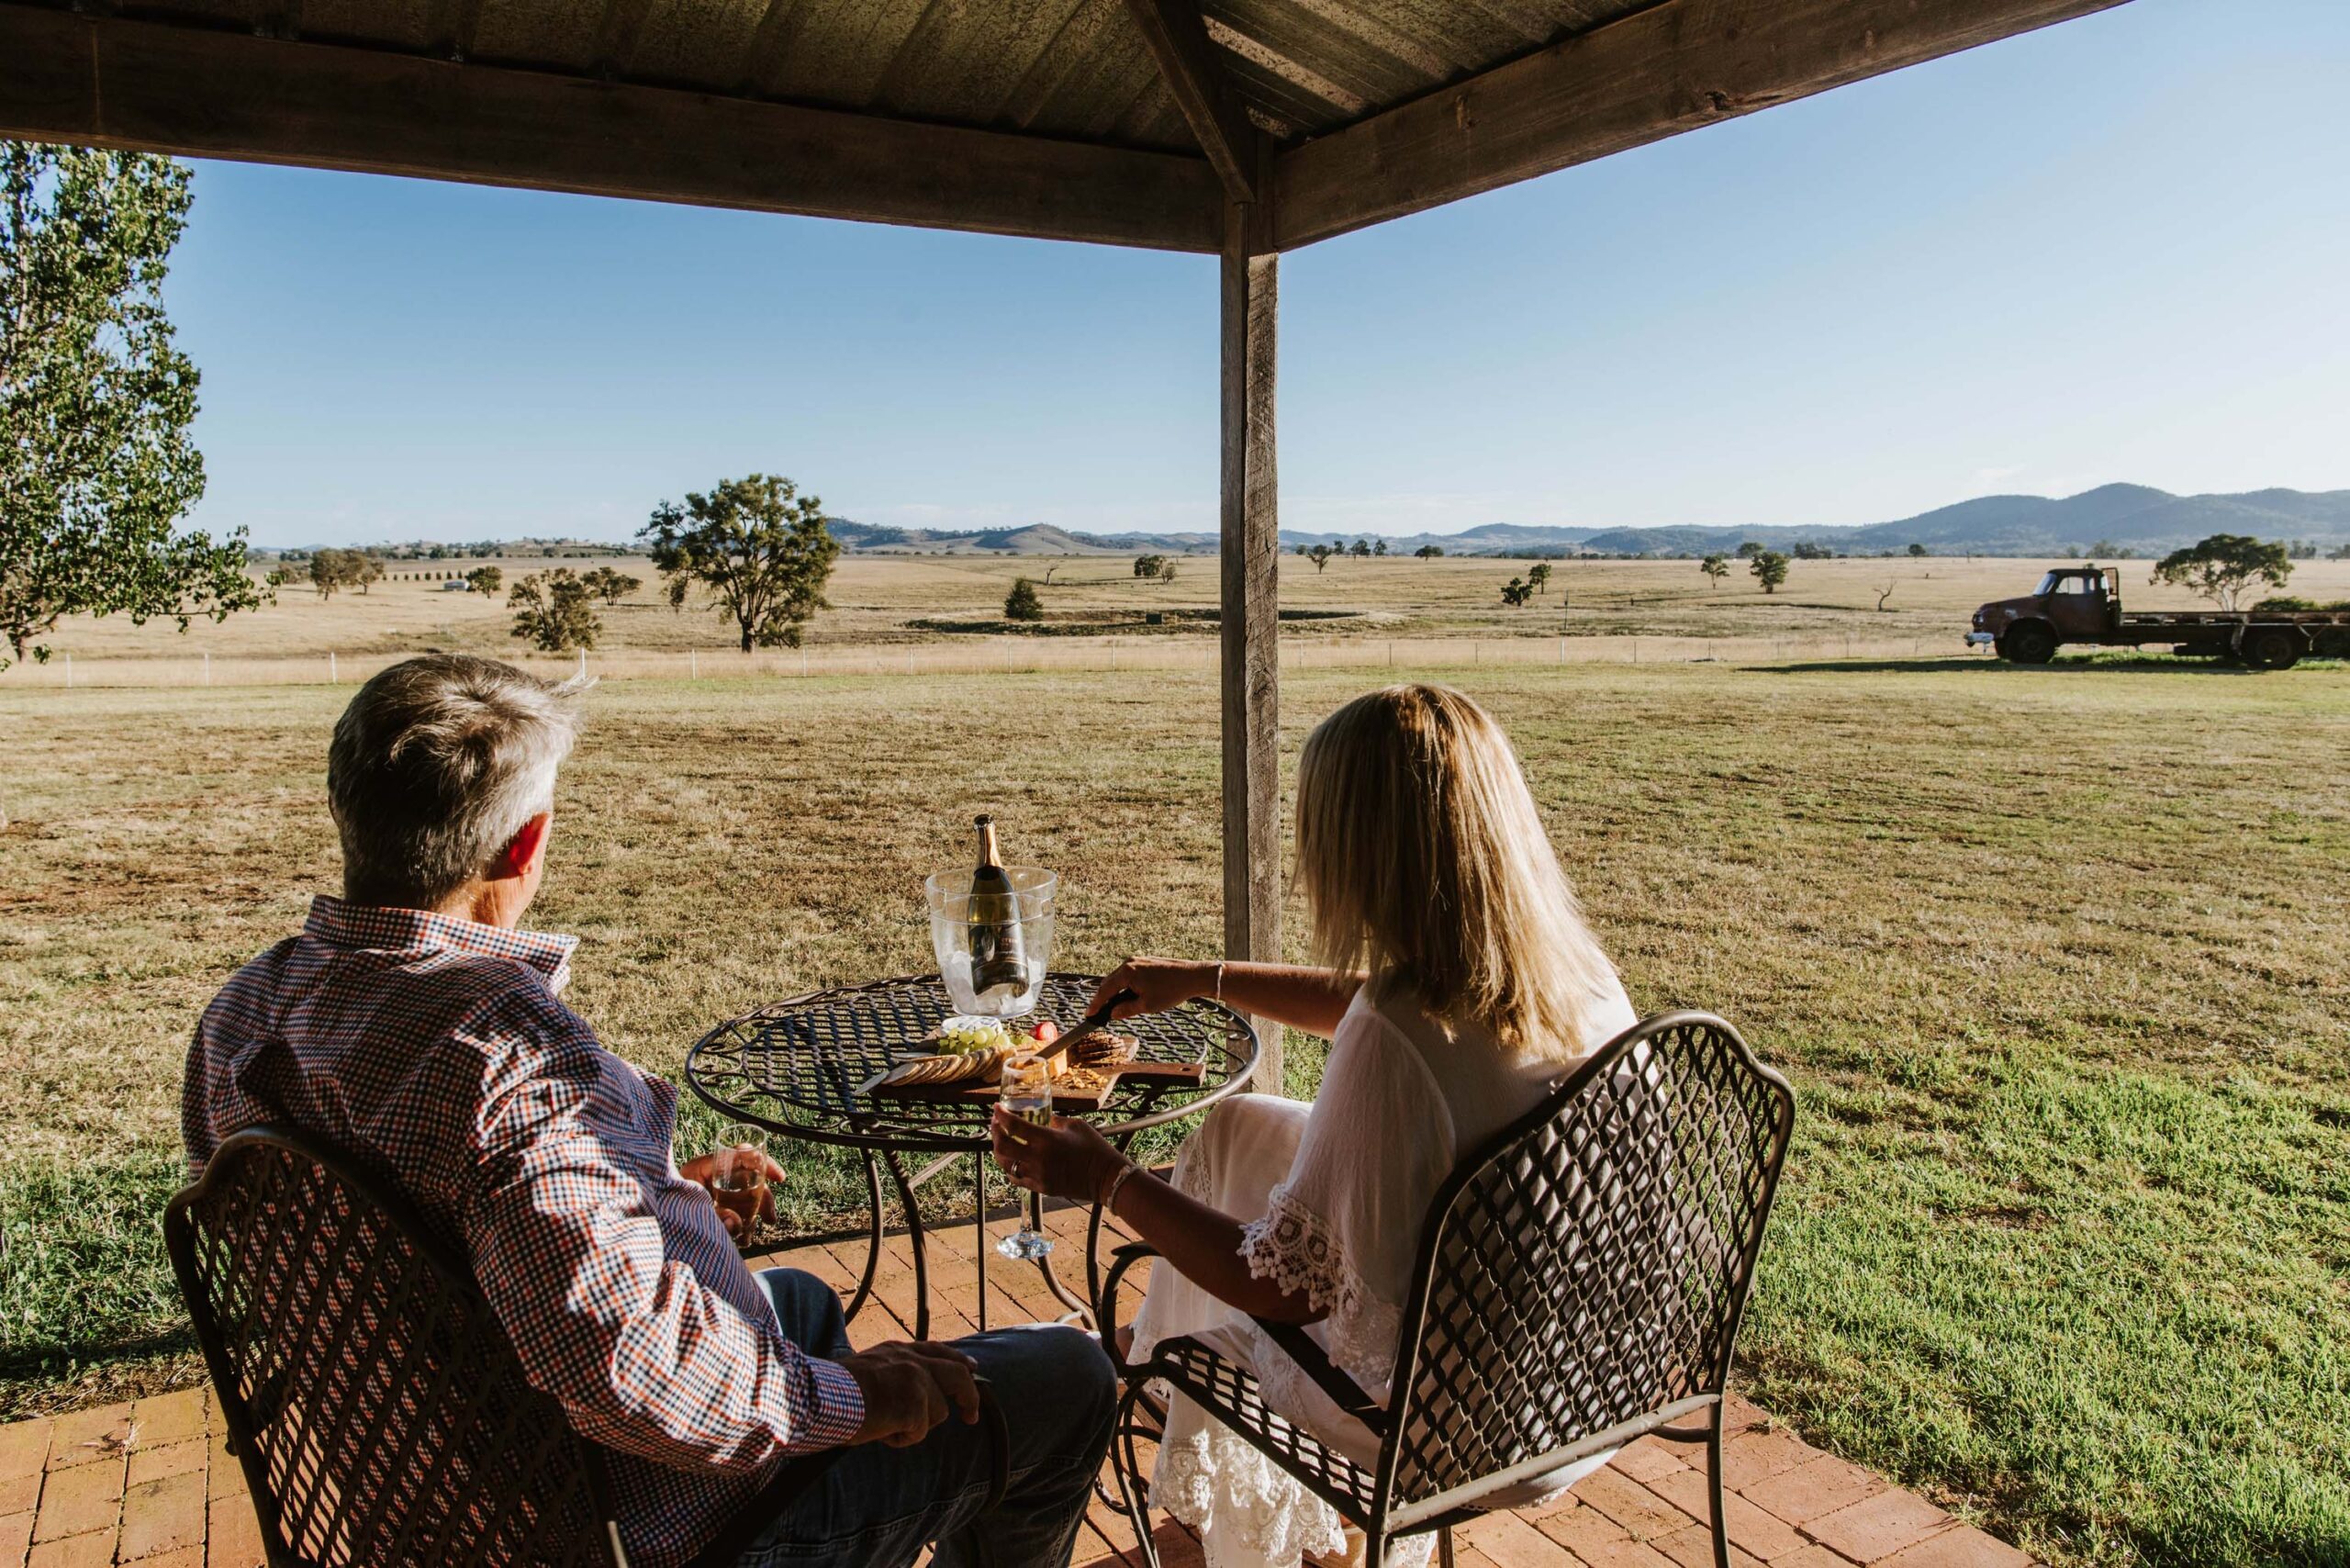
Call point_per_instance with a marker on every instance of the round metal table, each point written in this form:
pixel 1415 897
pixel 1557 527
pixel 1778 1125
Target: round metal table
pixel 794 1067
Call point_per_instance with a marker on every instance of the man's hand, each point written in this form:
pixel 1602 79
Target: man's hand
pixel 703 1168
pixel 910 1387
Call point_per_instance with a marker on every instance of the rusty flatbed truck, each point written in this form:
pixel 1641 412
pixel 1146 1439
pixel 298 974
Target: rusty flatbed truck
pixel 2083 604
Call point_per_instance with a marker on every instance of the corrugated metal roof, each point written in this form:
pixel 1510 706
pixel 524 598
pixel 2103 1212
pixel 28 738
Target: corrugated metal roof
pixel 1078 69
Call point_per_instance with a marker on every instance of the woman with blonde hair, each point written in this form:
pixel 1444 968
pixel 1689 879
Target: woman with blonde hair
pixel 1457 983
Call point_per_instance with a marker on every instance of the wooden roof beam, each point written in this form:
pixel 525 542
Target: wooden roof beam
pixel 1675 66
pixel 1178 35
pixel 159 87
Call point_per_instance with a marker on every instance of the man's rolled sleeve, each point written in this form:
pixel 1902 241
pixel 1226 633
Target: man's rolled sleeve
pixel 835 1404
pixel 642 1354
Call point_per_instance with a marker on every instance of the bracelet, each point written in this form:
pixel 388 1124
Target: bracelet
pixel 1110 1197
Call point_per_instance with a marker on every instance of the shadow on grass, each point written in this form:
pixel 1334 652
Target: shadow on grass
pixel 84 1285
pixel 59 1360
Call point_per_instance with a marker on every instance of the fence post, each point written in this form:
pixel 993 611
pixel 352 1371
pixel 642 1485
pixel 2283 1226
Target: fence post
pixel 208 667
pixel 69 672
pixel 335 675
pixel 693 664
pixel 583 664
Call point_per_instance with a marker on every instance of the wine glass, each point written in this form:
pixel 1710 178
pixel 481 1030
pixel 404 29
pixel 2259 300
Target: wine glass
pixel 738 1174
pixel 1027 1095
pixel 993 966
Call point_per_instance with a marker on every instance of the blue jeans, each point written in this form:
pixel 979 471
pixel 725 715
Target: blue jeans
pixel 878 1507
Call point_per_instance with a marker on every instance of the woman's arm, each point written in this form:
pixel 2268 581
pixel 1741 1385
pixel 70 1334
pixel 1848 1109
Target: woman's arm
pixel 1303 998
pixel 1069 1159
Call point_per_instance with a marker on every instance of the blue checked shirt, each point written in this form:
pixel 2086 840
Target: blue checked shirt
pixel 437 1047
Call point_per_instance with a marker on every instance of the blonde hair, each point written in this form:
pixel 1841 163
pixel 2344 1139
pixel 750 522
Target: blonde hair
pixel 1423 861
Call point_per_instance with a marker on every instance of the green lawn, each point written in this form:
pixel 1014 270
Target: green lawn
pixel 2053 956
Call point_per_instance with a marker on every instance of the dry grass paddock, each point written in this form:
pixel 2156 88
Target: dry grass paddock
pixel 1355 613
pixel 2053 956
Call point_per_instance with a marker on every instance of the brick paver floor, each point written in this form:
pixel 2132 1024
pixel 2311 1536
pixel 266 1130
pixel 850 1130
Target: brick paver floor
pixel 151 1482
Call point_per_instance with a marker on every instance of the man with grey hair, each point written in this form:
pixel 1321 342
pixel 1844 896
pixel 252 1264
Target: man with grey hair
pixel 414 1023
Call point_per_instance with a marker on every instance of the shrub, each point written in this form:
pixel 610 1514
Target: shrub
pixel 551 610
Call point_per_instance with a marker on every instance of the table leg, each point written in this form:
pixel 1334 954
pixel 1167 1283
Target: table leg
pixel 1045 1264
pixel 914 1232
pixel 980 1231
pixel 872 1237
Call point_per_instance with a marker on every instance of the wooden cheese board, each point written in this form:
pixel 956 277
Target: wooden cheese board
pixel 1075 1087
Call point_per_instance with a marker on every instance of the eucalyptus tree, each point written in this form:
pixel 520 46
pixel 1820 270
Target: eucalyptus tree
pixel 759 548
pixel 97 464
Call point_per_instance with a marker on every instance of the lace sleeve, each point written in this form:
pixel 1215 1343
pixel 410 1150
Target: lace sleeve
pixel 1298 1250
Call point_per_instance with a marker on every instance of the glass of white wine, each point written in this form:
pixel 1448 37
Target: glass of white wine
pixel 1027 1094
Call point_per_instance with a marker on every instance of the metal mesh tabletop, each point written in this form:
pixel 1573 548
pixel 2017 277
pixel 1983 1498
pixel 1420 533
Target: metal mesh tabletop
pixel 795 1065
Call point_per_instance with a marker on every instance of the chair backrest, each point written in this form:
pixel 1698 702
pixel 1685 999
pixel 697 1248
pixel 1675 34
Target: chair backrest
pixel 1583 1273
pixel 379 1412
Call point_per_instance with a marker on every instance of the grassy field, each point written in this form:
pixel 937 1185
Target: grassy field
pixel 2053 955
pixel 878 599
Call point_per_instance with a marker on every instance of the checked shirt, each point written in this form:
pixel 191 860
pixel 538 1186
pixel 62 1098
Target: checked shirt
pixel 436 1047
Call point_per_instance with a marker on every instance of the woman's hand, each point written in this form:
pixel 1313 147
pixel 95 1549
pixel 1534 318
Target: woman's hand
pixel 1067 1160
pixel 1159 984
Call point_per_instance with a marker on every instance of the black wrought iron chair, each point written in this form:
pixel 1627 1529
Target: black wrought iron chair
pixel 1579 1284
pixel 379 1411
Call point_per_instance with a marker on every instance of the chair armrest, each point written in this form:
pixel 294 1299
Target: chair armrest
pixel 1105 1313
pixel 1344 1391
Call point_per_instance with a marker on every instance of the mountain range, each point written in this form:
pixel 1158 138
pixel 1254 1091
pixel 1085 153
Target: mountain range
pixel 2136 518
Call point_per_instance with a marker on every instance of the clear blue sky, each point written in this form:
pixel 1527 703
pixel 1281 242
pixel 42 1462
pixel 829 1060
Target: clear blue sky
pixel 2114 248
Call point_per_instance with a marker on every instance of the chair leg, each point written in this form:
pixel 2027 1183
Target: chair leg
pixel 1127 1471
pixel 1714 1470
pixel 1444 1547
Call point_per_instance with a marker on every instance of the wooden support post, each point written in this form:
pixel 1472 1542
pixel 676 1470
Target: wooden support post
pixel 1251 622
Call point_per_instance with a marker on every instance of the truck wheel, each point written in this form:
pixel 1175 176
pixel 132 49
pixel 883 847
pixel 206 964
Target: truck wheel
pixel 2330 644
pixel 2028 646
pixel 2273 647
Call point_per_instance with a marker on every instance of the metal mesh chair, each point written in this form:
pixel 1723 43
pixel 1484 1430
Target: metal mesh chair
pixel 379 1411
pixel 1579 1284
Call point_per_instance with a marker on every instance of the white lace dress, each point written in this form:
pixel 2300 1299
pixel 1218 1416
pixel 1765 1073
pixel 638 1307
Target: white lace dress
pixel 1341 1186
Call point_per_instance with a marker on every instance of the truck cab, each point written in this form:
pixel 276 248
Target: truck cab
pixel 2072 604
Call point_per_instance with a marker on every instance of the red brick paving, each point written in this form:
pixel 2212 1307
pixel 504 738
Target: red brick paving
pixel 150 1483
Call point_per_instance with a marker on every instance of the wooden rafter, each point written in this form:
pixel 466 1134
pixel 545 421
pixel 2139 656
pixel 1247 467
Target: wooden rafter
pixel 1674 67
pixel 163 88
pixel 1178 36
pixel 453 25
pixel 616 35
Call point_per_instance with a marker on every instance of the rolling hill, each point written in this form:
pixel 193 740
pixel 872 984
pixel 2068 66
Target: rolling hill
pixel 2136 518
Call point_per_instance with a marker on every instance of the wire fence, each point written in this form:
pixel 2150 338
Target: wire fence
pixel 1002 656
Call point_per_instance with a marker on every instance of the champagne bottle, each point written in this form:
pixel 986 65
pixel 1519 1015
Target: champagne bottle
pixel 998 962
